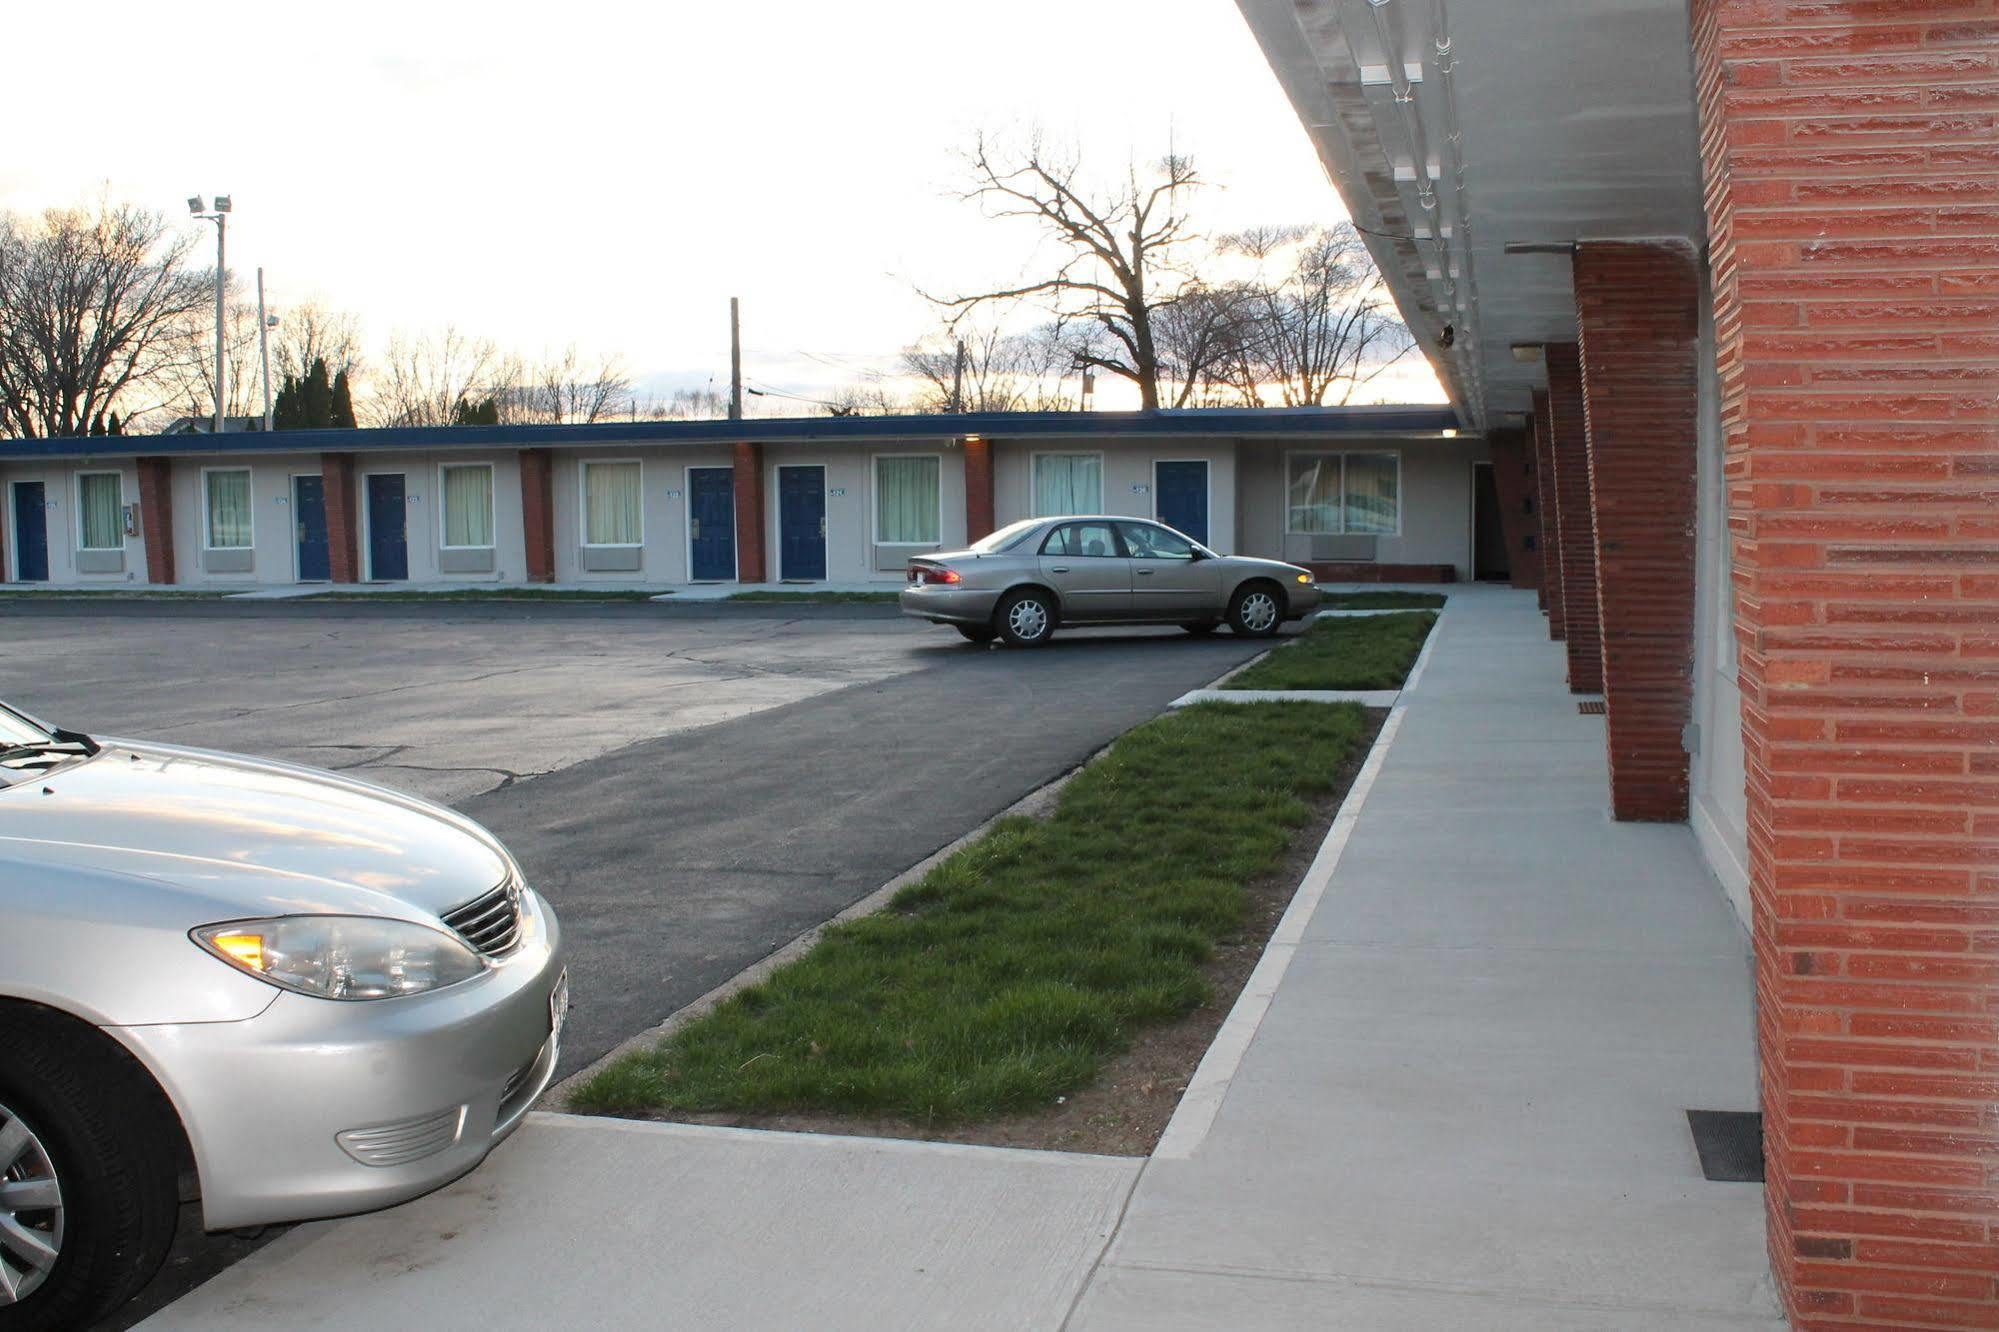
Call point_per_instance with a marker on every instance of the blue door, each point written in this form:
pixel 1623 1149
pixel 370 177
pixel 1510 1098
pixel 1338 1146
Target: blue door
pixel 801 524
pixel 388 517
pixel 711 517
pixel 1180 497
pixel 309 526
pixel 31 532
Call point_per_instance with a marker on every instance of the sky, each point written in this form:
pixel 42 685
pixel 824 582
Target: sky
pixel 609 174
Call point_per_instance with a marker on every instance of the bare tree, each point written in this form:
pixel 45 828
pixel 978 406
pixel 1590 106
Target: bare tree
pixel 1000 371
pixel 560 389
pixel 1321 327
pixel 184 381
pixel 431 380
pixel 1122 253
pixel 308 332
pixel 90 302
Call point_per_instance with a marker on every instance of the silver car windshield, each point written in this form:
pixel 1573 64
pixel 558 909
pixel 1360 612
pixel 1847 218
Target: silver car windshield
pixel 18 730
pixel 1006 536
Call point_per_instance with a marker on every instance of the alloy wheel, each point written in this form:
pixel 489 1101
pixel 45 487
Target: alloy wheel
pixel 1259 611
pixel 31 1211
pixel 1028 619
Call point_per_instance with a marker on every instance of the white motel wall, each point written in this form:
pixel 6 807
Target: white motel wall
pixel 229 535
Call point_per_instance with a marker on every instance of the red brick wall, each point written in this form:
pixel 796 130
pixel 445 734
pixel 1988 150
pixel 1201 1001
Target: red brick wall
pixel 538 513
pixel 1513 478
pixel 1550 542
pixel 156 517
pixel 342 525
pixel 1572 505
pixel 1637 309
pixel 978 488
pixel 750 543
pixel 1852 182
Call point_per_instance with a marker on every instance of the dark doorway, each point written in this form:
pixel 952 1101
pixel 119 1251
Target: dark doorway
pixel 388 524
pixel 711 524
pixel 309 525
pixel 801 523
pixel 1490 563
pixel 1180 496
pixel 31 533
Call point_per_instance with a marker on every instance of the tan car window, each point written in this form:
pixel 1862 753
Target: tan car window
pixel 1147 542
pixel 1084 540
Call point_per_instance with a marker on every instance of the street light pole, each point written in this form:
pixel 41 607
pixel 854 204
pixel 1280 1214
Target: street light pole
pixel 220 217
pixel 264 323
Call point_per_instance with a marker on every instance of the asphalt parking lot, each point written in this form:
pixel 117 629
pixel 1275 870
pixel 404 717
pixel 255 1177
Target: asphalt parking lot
pixel 691 786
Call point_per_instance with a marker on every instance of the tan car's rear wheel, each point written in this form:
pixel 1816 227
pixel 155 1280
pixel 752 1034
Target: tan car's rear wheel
pixel 1025 619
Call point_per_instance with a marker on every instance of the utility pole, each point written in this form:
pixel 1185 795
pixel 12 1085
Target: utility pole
pixel 264 322
pixel 220 217
pixel 958 381
pixel 735 360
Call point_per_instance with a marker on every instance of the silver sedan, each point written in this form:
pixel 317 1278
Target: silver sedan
pixel 1026 579
pixel 287 992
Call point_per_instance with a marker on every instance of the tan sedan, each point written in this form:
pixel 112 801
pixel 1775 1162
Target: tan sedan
pixel 1025 580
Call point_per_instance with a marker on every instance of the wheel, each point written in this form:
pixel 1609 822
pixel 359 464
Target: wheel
pixel 88 1183
pixel 1201 629
pixel 1025 619
pixel 977 633
pixel 1254 611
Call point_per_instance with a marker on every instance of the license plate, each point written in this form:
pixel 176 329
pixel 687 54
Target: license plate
pixel 558 1004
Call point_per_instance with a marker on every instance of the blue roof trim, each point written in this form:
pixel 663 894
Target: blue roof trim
pixel 1226 421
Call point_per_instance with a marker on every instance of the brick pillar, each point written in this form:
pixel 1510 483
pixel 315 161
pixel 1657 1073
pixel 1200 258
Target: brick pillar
pixel 538 513
pixel 1513 478
pixel 1571 435
pixel 978 488
pixel 751 563
pixel 156 518
pixel 1637 308
pixel 336 471
pixel 1551 526
pixel 1850 173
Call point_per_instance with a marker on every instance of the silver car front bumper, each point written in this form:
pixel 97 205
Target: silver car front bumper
pixel 318 1108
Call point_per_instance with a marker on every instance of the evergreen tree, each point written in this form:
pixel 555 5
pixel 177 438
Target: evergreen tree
pixel 343 403
pixel 117 427
pixel 284 411
pixel 316 397
pixel 484 412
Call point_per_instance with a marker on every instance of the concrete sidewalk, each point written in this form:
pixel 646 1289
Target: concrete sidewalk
pixel 1453 1096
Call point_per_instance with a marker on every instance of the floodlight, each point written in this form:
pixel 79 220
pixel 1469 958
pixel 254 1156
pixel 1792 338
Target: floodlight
pixel 196 206
pixel 221 203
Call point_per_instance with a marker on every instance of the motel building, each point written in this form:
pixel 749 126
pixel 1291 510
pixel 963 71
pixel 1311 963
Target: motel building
pixel 1357 493
pixel 1718 282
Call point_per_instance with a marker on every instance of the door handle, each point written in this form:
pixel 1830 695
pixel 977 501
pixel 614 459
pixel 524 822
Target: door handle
pixel 1145 573
pixel 822 528
pixel 1058 568
pixel 301 534
pixel 694 530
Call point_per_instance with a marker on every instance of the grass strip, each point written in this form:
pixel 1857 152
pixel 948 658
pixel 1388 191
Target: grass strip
pixel 1014 970
pixel 1382 601
pixel 1370 652
pixel 823 598
pixel 493 594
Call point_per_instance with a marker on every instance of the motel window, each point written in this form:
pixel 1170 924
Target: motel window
pixel 468 504
pixel 1068 483
pixel 100 506
pixel 228 509
pixel 1352 494
pixel 907 508
pixel 612 509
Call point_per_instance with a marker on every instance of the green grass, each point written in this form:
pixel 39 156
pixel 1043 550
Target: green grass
pixel 1364 652
pixel 493 594
pixel 824 598
pixel 1010 973
pixel 1383 601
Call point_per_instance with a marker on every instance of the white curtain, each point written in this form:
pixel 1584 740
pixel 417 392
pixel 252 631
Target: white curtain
pixel 611 504
pixel 1068 483
pixel 1373 504
pixel 1314 496
pixel 906 510
pixel 101 502
pixel 228 510
pixel 468 506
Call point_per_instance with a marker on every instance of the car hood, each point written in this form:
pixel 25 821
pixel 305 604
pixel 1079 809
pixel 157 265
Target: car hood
pixel 1259 563
pixel 249 835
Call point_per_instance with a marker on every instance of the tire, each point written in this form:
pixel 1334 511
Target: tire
pixel 1256 610
pixel 977 633
pixel 86 1120
pixel 1025 619
pixel 1201 629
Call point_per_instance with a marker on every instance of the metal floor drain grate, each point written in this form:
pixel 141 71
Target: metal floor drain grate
pixel 1730 1143
pixel 1592 707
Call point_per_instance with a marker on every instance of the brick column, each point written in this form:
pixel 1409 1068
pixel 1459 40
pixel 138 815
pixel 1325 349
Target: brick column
pixel 1578 554
pixel 336 472
pixel 1850 179
pixel 1513 479
pixel 156 518
pixel 1637 309
pixel 538 513
pixel 751 563
pixel 1551 526
pixel 978 488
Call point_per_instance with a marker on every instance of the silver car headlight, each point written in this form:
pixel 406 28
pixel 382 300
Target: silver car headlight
pixel 342 957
